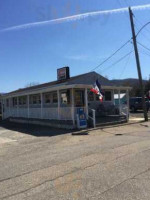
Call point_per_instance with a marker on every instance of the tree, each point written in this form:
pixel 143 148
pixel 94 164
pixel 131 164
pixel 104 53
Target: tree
pixel 32 84
pixel 136 91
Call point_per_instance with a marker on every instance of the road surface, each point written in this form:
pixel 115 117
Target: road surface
pixel 107 164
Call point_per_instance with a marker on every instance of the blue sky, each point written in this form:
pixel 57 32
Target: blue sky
pixel 34 54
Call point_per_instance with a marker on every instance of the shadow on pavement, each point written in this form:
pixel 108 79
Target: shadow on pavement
pixel 45 131
pixel 80 133
pixel 34 130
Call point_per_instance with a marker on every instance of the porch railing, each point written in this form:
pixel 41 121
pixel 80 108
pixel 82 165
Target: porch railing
pixel 124 111
pixel 63 113
pixel 92 116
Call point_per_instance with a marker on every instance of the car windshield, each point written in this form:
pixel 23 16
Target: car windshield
pixel 140 99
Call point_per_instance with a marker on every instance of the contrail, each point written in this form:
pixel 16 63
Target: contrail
pixel 75 17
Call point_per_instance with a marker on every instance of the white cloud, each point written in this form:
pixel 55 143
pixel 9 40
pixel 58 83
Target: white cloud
pixel 77 57
pixel 75 17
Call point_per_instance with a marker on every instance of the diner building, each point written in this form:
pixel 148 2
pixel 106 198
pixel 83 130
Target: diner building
pixel 56 103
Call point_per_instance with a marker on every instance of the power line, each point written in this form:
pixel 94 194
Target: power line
pixel 122 72
pixel 144 52
pixel 143 46
pixel 141 24
pixel 126 3
pixel 120 4
pixel 142 28
pixel 143 33
pixel 111 55
pixel 122 58
pixel 145 36
pixel 134 37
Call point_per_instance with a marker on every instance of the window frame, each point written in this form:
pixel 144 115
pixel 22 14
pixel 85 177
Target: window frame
pixel 82 98
pixel 108 91
pixel 91 94
pixel 67 96
pixel 35 99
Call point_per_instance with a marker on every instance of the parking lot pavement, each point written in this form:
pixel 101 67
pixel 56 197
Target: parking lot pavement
pixel 39 163
pixel 138 115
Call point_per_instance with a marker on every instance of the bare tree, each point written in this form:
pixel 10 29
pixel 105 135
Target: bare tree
pixel 31 84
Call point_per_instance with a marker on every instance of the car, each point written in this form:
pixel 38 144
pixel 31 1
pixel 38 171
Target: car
pixel 136 104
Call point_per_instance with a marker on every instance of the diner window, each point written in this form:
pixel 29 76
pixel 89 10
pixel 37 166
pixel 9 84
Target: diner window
pixel 14 101
pixel 22 100
pixel 55 98
pixel 35 99
pixel 79 98
pixel 107 95
pixel 48 98
pixel 65 97
pixel 91 96
pixel 7 102
pixel 38 99
pixel 97 97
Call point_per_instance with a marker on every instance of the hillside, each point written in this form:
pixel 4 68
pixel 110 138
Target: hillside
pixel 127 82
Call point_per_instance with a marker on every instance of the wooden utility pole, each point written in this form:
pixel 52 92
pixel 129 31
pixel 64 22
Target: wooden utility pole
pixel 138 64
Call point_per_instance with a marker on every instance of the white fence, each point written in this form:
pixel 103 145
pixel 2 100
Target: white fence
pixel 65 113
pixel 22 112
pixel 50 113
pixel 35 113
pixel 62 113
pixel 124 110
pixel 6 114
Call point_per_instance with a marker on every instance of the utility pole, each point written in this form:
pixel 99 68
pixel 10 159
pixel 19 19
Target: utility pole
pixel 138 64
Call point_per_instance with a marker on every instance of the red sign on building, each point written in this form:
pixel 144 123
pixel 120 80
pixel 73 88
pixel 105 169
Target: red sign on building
pixel 63 73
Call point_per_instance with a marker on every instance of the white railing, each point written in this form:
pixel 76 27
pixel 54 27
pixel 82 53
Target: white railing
pixel 50 113
pixel 124 110
pixel 92 116
pixel 35 113
pixel 6 114
pixel 13 112
pixel 65 113
pixel 22 112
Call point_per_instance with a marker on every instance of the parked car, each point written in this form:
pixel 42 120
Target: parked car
pixel 136 104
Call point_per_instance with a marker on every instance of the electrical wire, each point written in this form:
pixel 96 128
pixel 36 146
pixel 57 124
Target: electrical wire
pixel 120 4
pixel 122 58
pixel 126 3
pixel 140 23
pixel 111 56
pixel 142 28
pixel 143 46
pixel 143 52
pixel 95 68
pixel 125 66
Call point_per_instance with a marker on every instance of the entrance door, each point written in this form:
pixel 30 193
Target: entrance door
pixel 79 98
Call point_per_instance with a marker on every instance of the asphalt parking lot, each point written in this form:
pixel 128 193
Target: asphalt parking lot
pixel 38 163
pixel 138 116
